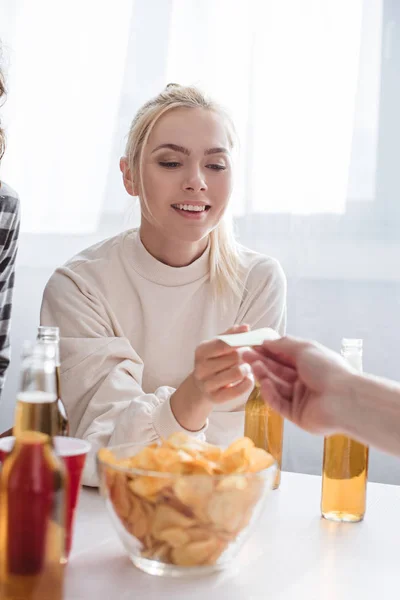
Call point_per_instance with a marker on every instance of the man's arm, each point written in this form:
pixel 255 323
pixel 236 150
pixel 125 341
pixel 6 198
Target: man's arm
pixel 318 390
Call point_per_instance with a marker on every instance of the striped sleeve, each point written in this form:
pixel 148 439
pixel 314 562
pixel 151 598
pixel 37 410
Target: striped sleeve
pixel 9 232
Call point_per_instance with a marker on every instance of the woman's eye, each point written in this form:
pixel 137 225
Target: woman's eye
pixel 217 167
pixel 169 164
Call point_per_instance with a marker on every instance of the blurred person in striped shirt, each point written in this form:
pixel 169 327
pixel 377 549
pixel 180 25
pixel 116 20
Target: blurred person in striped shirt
pixel 9 231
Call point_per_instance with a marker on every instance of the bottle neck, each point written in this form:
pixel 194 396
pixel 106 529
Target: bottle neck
pixel 36 408
pixel 54 343
pixel 36 412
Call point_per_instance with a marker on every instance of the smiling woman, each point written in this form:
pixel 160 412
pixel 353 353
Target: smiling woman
pixel 139 313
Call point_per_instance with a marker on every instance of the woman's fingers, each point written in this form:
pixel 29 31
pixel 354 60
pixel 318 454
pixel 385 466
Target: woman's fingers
pixel 214 348
pixel 220 368
pixel 211 349
pixel 235 391
pixel 237 329
pixel 209 354
pixel 231 376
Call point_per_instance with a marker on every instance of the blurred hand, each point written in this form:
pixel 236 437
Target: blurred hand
pixel 304 381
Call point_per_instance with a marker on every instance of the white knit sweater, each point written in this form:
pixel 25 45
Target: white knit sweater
pixel 129 327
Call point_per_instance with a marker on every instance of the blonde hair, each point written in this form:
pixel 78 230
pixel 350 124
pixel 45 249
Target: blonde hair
pixel 224 256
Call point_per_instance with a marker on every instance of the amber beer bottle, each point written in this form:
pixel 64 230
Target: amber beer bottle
pixel 32 520
pixel 264 426
pixel 345 463
pixel 36 408
pixel 51 337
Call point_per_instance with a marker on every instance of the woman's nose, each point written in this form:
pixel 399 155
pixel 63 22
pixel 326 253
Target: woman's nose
pixel 195 182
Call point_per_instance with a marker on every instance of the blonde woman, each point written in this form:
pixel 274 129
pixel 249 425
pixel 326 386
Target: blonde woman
pixel 138 312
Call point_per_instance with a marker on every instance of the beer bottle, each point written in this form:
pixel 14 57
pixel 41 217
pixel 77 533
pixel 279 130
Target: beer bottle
pixel 264 426
pixel 51 337
pixel 345 463
pixel 36 408
pixel 32 520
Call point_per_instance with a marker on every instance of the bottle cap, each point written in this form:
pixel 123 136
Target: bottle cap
pixel 49 334
pixel 355 343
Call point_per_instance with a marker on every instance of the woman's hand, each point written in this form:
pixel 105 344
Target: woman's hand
pixel 219 372
pixel 219 375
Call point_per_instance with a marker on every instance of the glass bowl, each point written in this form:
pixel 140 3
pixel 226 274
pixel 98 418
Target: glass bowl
pixel 181 524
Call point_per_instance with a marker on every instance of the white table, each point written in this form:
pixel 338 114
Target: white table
pixel 293 555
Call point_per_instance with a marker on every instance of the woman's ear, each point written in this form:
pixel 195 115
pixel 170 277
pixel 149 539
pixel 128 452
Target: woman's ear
pixel 129 184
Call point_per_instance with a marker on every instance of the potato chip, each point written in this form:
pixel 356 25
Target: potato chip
pixel 199 534
pixel 232 482
pixel 159 551
pixel 225 510
pixel 243 443
pixel 174 536
pixel 145 459
pixel 214 556
pixel 194 490
pixel 107 456
pixel 137 522
pixel 148 487
pixel 235 462
pixel 177 440
pixel 120 496
pixel 259 460
pixel 169 461
pixel 148 510
pixel 194 553
pixel 166 517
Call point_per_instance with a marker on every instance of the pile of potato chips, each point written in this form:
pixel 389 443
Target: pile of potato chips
pixel 197 499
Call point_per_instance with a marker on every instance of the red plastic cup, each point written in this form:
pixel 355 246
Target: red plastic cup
pixel 73 453
pixel 6 445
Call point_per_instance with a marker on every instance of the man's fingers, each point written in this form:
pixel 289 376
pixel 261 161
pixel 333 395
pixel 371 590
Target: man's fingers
pixel 288 374
pixel 285 350
pixel 261 373
pixel 274 399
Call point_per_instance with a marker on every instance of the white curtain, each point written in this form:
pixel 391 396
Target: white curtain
pixel 66 61
pixel 288 72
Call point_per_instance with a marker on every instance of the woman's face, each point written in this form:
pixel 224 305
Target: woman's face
pixel 187 173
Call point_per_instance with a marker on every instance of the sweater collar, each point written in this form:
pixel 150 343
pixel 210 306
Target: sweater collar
pixel 153 270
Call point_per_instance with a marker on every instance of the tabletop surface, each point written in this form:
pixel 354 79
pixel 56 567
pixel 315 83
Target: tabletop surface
pixel 292 555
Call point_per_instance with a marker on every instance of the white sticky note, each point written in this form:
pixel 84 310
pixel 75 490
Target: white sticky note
pixel 250 338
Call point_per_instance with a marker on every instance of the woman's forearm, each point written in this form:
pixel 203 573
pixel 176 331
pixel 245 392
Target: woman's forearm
pixel 370 412
pixel 189 407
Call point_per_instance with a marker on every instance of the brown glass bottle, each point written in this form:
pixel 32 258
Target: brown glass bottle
pixel 345 464
pixel 32 520
pixel 264 426
pixel 36 408
pixel 51 337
